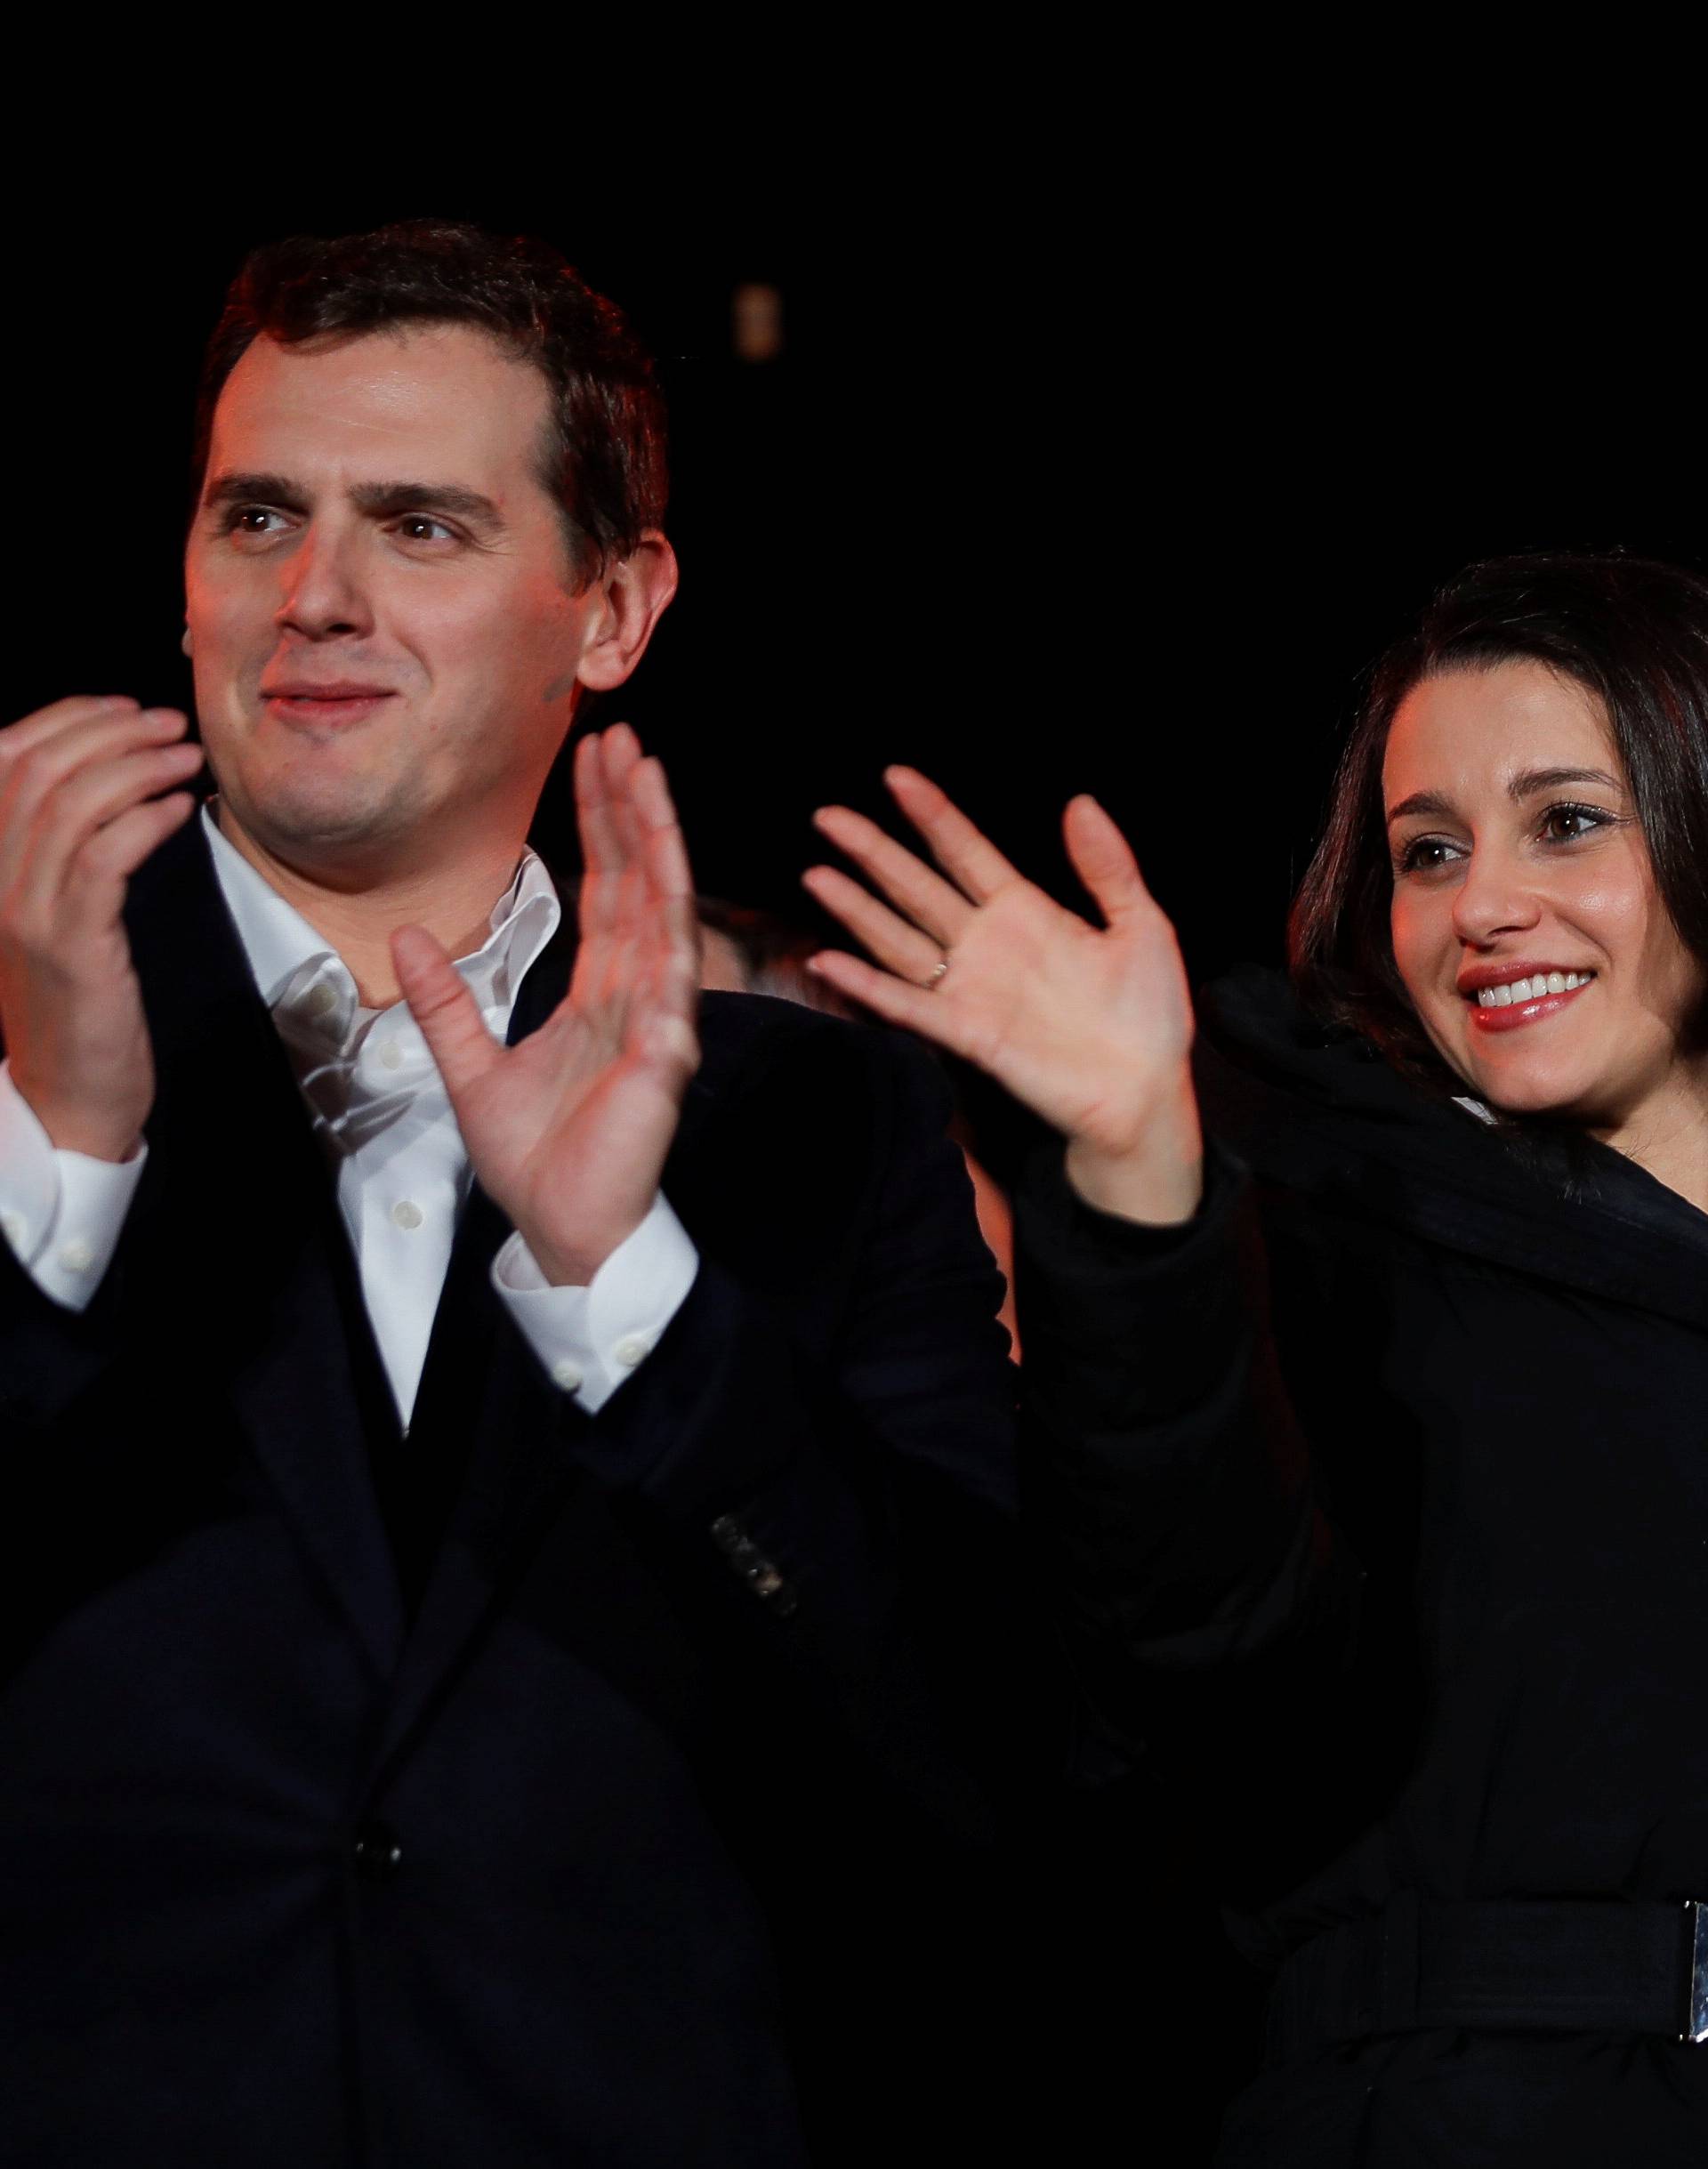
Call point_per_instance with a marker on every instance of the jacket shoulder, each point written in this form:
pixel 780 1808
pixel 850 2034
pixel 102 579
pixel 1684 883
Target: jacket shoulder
pixel 748 1039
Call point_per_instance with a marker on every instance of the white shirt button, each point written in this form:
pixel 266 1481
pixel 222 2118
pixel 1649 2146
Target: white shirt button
pixel 15 1228
pixel 77 1256
pixel 391 1055
pixel 631 1349
pixel 406 1212
pixel 319 1000
pixel 567 1375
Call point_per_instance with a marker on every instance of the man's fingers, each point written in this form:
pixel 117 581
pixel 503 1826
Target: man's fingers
pixel 84 802
pixel 33 767
pixel 911 955
pixel 63 736
pixel 1103 859
pixel 47 722
pixel 666 848
pixel 600 851
pixel 926 898
pixel 32 775
pixel 964 851
pixel 619 753
pixel 449 1017
pixel 673 974
pixel 95 893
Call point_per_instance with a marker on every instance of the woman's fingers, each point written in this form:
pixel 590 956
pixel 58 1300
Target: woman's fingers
pixel 1103 859
pixel 902 948
pixel 926 898
pixel 964 851
pixel 886 996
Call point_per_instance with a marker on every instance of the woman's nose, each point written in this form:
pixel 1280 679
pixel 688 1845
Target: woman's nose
pixel 1496 896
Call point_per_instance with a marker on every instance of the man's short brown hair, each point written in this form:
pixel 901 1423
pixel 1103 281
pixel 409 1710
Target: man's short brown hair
pixel 603 459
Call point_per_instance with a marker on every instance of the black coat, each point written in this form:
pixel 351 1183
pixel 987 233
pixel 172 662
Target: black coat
pixel 1379 1500
pixel 538 1788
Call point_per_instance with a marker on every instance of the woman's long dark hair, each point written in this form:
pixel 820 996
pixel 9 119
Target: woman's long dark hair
pixel 1631 632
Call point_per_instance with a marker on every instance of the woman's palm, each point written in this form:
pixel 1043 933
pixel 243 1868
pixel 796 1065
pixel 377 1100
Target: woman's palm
pixel 1089 1026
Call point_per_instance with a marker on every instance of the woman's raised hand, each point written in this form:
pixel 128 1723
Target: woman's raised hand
pixel 1089 1027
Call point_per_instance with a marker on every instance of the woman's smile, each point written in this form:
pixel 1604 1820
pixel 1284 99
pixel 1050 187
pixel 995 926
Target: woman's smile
pixel 1526 997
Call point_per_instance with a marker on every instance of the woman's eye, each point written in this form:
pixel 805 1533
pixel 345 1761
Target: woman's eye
pixel 1423 854
pixel 1566 823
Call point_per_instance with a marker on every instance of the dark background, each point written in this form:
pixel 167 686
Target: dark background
pixel 1116 484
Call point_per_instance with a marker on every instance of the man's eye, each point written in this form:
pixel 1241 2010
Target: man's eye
pixel 249 519
pixel 412 522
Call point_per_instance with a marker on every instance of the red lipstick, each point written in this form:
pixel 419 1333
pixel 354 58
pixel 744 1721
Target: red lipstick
pixel 1518 1014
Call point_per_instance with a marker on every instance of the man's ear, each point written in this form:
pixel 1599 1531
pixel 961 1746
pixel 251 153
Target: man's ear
pixel 635 594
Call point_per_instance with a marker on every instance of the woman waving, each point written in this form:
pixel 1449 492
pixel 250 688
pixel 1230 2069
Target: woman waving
pixel 1368 1434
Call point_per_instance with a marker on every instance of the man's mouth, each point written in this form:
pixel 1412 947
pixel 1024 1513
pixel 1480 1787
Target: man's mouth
pixel 347 703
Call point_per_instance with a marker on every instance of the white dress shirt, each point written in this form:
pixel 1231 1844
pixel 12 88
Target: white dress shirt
pixel 385 1121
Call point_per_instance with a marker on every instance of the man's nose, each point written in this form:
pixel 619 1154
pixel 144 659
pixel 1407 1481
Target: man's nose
pixel 324 593
pixel 1496 896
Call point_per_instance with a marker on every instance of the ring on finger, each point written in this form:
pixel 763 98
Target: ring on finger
pixel 937 972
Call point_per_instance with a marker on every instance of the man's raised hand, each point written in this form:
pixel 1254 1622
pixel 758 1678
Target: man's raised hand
pixel 1091 1026
pixel 79 812
pixel 568 1131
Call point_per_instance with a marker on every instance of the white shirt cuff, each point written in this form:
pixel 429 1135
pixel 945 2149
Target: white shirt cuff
pixel 61 1213
pixel 591 1339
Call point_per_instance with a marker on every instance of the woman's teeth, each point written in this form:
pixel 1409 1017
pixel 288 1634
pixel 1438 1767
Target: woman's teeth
pixel 1532 990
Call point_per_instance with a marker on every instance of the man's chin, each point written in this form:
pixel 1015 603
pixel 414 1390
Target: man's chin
pixel 301 827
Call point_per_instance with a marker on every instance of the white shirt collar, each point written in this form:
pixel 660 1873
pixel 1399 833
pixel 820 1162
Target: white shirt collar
pixel 289 957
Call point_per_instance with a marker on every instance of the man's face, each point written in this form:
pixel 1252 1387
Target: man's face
pixel 382 606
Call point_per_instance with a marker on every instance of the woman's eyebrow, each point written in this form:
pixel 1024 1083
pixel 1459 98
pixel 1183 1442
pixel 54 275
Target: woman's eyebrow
pixel 1535 779
pixel 1520 787
pixel 1420 802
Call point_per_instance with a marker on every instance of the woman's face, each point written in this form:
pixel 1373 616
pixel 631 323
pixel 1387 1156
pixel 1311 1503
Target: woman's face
pixel 1527 923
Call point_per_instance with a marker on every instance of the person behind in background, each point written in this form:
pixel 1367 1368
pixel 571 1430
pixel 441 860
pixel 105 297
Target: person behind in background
pixel 510 1541
pixel 747 951
pixel 1395 1544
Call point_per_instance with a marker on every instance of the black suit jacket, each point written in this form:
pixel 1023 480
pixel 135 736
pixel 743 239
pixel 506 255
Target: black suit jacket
pixel 536 1788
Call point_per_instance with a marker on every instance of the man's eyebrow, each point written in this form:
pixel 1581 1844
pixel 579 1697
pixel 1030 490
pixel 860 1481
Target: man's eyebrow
pixel 252 490
pixel 386 500
pixel 1521 787
pixel 378 500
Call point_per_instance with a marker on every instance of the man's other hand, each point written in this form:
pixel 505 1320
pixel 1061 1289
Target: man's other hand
pixel 568 1131
pixel 79 812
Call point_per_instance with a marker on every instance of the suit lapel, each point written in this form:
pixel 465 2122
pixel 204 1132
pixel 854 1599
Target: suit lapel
pixel 236 1195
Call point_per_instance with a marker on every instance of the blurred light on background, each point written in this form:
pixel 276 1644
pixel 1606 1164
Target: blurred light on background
pixel 756 322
